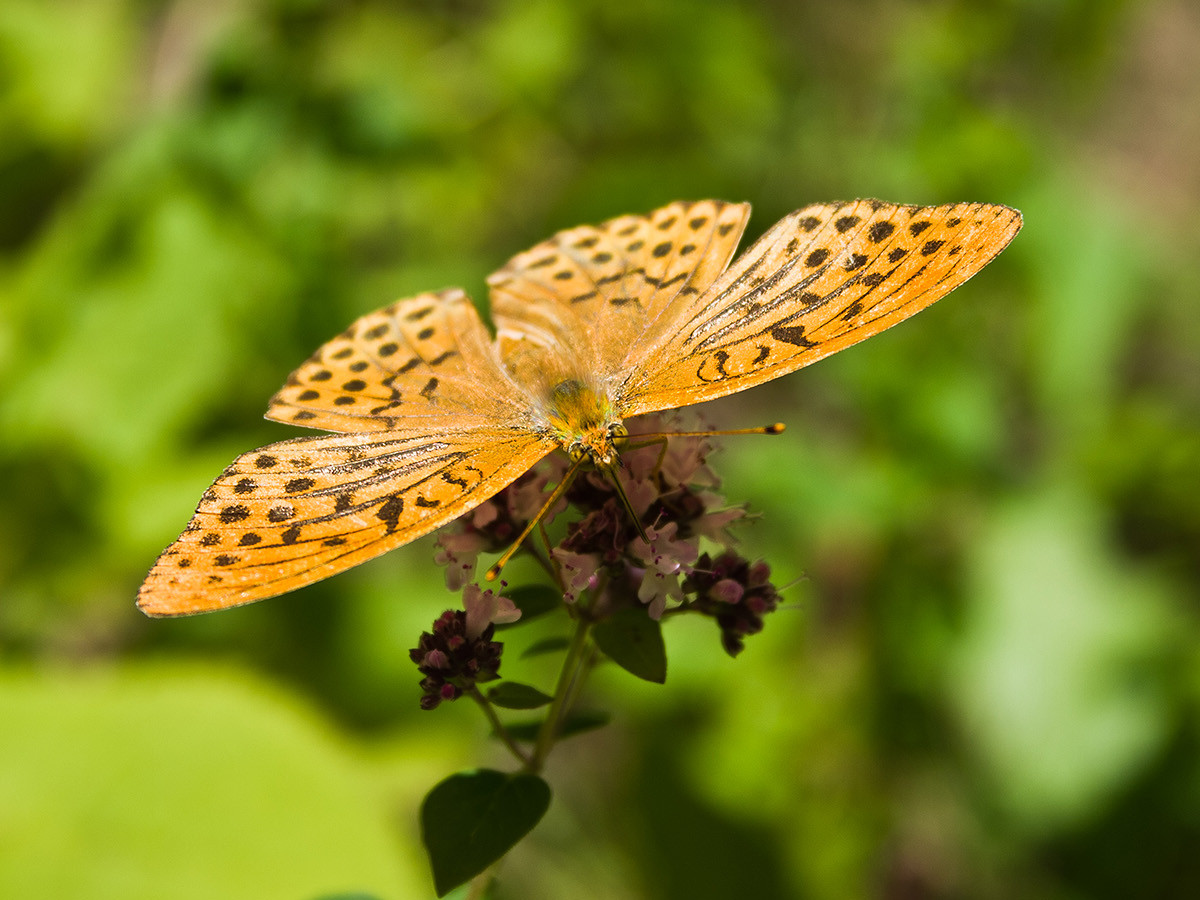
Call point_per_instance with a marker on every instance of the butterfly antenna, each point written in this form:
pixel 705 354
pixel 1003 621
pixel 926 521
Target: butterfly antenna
pixel 561 489
pixel 776 428
pixel 611 472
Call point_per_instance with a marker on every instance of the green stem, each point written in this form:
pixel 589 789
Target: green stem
pixel 572 666
pixel 481 882
pixel 497 726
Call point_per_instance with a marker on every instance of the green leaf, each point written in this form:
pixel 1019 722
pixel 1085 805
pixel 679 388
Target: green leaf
pixel 532 600
pixel 472 819
pixel 634 642
pixel 514 695
pixel 576 723
pixel 546 645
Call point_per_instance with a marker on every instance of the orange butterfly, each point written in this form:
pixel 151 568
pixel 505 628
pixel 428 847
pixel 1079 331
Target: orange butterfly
pixel 639 314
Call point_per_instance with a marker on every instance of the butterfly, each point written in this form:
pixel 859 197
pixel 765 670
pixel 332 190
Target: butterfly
pixel 432 415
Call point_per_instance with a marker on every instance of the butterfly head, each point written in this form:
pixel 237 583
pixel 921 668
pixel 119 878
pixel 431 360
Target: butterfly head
pixel 584 423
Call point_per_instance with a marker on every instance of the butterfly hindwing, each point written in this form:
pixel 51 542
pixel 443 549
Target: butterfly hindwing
pixel 820 280
pixel 590 293
pixel 294 512
pixel 425 356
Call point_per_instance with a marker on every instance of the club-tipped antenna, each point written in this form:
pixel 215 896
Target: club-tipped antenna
pixel 558 491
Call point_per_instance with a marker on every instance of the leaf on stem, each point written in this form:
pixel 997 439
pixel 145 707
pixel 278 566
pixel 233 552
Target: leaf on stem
pixel 532 600
pixel 634 642
pixel 546 645
pixel 574 724
pixel 514 695
pixel 470 820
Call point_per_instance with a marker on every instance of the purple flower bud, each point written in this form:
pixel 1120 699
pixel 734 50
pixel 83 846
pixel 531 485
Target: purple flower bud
pixel 735 593
pixel 436 659
pixel 451 661
pixel 727 591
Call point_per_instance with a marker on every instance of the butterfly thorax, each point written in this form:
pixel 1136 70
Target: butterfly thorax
pixel 583 421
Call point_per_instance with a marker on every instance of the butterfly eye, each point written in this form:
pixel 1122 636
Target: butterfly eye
pixel 619 434
pixel 577 452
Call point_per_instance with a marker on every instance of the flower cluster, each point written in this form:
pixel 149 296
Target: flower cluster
pixel 460 652
pixel 602 554
pixel 734 591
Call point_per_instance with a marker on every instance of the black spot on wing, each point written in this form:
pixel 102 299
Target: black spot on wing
pixel 389 512
pixel 880 231
pixel 281 512
pixel 235 513
pixel 791 334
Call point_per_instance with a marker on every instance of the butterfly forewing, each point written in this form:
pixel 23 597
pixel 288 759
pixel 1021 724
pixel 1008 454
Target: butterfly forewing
pixel 427 356
pixel 298 511
pixel 821 279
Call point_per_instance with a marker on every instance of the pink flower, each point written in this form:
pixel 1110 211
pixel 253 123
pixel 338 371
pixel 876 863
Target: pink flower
pixel 580 572
pixel 485 608
pixel 459 553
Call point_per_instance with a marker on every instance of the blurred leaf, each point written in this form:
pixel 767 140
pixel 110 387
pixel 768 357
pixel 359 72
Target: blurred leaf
pixel 513 695
pixel 472 819
pixel 546 645
pixel 183 785
pixel 1055 673
pixel 634 642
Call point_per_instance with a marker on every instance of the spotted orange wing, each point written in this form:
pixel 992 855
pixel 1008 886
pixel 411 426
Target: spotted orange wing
pixel 821 279
pixel 298 511
pixel 579 302
pixel 435 427
pixel 423 357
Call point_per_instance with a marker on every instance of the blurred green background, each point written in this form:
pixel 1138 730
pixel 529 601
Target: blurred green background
pixel 987 682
